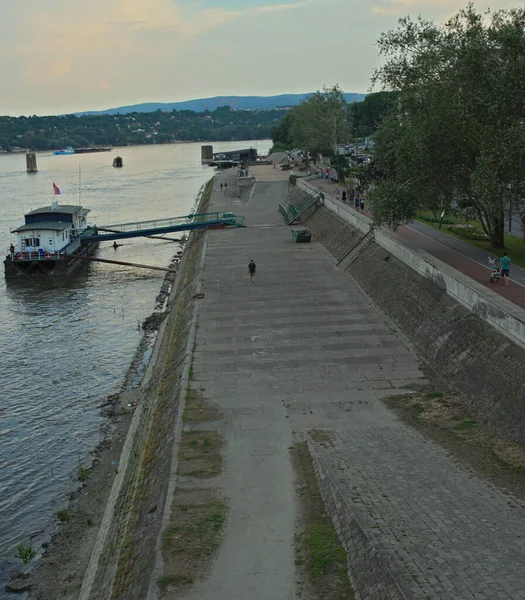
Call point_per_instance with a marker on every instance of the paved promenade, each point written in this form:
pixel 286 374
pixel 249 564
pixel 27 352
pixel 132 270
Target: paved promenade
pixel 465 258
pixel 303 348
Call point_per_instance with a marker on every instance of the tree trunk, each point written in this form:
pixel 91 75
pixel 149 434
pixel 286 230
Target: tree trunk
pixel 497 235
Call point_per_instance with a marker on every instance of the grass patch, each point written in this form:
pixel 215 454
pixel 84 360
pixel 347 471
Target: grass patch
pixel 192 537
pixel 513 244
pixel 196 409
pixel 83 473
pixel 325 438
pixel 194 533
pixel 454 424
pixel 465 424
pixel 165 583
pixel 319 556
pixel 63 515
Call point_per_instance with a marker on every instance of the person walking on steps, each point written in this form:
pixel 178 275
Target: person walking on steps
pixel 505 268
pixel 252 268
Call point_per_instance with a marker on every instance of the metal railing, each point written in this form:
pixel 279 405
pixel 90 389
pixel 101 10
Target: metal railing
pixel 213 217
pixel 25 256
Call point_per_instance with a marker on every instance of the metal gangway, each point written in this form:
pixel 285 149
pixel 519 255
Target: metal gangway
pixel 160 226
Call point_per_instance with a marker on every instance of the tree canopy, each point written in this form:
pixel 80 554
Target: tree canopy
pixel 366 116
pixel 317 125
pixel 455 136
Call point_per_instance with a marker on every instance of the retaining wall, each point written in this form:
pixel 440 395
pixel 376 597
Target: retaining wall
pixel 471 350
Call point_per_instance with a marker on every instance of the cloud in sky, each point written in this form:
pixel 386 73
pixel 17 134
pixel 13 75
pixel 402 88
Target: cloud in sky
pixel 70 55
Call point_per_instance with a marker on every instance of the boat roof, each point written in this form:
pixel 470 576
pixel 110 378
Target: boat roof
pixel 44 226
pixel 61 208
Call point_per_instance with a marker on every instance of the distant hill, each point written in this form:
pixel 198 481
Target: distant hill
pixel 202 104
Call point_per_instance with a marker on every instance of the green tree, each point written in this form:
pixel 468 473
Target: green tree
pixel 455 137
pixel 282 132
pixel 321 121
pixel 369 113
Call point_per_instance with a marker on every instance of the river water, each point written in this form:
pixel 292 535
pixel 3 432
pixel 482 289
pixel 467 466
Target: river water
pixel 66 345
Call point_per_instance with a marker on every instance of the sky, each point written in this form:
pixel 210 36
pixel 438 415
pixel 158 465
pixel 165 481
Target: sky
pixel 63 56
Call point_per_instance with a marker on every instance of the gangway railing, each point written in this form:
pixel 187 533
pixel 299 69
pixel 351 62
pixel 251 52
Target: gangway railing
pixel 159 226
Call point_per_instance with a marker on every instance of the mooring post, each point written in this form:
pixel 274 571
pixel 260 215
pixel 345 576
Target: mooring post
pixel 206 154
pixel 31 162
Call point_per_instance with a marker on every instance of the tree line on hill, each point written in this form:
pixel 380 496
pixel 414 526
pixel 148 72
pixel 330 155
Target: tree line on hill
pixel 448 127
pixel 52 132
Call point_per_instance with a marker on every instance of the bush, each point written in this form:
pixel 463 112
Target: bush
pixel 63 515
pixel 83 473
pixel 469 234
pixel 25 553
pixel 445 220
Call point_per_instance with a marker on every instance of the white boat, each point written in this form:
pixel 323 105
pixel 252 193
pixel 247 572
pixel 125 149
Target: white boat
pixel 47 240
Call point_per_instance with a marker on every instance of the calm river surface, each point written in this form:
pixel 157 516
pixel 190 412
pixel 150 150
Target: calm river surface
pixel 64 346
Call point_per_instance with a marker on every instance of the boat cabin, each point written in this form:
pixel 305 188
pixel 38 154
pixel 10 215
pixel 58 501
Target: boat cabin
pixel 51 228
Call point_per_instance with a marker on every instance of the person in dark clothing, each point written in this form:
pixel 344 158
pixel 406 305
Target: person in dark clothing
pixel 344 195
pixel 252 268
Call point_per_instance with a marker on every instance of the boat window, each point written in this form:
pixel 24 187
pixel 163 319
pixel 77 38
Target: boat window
pixel 32 241
pixel 50 242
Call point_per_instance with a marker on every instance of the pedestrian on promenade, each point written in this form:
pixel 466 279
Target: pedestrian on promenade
pixel 505 268
pixel 252 268
pixel 337 193
pixel 344 196
pixel 356 200
pixel 221 186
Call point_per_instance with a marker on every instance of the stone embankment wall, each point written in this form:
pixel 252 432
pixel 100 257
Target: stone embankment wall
pixel 122 564
pixel 461 350
pixel 498 312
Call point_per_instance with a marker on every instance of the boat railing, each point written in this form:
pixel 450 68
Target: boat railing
pixel 44 255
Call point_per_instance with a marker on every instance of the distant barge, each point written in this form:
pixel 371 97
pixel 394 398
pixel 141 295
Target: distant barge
pixel 92 149
pixel 48 242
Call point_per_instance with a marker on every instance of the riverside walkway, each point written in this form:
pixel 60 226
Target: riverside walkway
pixel 464 257
pixel 303 348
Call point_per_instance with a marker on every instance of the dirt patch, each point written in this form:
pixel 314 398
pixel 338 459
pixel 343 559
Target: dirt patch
pixel 196 409
pixel 321 563
pixel 454 423
pixel 322 437
pixel 191 539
